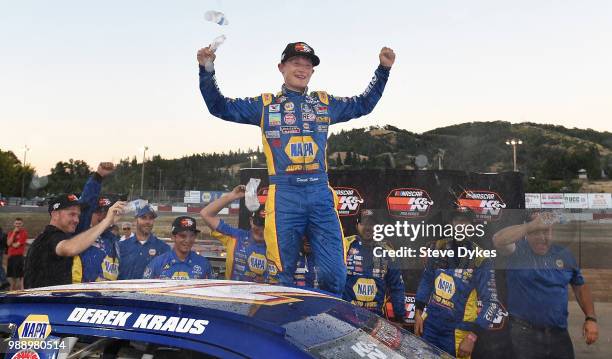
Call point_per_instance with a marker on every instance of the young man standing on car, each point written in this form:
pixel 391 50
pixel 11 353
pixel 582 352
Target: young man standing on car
pixel 294 126
pixel 181 262
pixel 16 243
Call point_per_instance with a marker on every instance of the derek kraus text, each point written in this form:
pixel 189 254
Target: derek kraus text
pixel 413 231
pixel 426 252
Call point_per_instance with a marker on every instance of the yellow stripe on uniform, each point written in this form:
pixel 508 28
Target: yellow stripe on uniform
pixel 470 313
pixel 77 270
pixel 229 243
pixel 272 250
pixel 336 201
pixel 266 99
pixel 268 153
pixel 459 335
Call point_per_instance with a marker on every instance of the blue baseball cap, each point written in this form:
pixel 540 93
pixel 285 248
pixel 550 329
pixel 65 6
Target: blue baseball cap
pixel 146 210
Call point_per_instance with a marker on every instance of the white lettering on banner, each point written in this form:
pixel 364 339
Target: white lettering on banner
pixel 144 321
pixel 99 316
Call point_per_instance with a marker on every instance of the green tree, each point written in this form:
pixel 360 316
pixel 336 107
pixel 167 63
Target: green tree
pixel 12 173
pixel 68 176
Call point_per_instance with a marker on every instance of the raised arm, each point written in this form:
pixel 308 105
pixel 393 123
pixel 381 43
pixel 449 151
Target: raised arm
pixel 247 110
pixel 343 109
pixel 79 243
pixel 505 239
pixel 210 212
pixel 90 194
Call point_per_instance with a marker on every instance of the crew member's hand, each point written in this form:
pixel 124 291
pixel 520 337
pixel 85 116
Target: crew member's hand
pixel 105 168
pixel 206 54
pixel 387 57
pixel 239 191
pixel 465 347
pixel 418 323
pixel 541 221
pixel 590 331
pixel 115 212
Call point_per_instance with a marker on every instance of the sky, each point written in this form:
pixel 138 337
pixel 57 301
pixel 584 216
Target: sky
pixel 100 80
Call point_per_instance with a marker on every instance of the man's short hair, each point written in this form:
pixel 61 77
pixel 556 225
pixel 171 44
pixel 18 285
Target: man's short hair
pixel 19 219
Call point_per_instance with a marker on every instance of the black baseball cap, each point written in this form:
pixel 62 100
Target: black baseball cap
pixel 184 223
pixel 259 216
pixel 64 201
pixel 105 202
pixel 300 49
pixel 462 212
pixel 369 216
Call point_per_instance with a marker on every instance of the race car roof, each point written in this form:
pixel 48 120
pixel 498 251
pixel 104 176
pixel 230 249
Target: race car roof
pixel 222 307
pixel 237 297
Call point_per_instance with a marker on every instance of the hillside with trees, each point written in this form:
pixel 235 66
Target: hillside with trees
pixel 550 157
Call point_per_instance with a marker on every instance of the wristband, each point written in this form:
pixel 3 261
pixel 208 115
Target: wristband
pixel 472 337
pixel 593 319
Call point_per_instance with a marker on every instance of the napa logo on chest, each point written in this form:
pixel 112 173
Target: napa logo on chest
pixel 34 327
pixel 365 289
pixel 301 149
pixel 257 263
pixel 445 286
pixel 110 268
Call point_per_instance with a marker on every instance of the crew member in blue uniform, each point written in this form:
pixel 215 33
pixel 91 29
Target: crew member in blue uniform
pixel 450 289
pixel 136 252
pixel 181 262
pixel 372 281
pixel 294 126
pixel 305 275
pixel 246 250
pixel 537 279
pixel 100 261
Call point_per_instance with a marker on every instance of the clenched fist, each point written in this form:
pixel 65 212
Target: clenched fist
pixel 387 57
pixel 205 55
pixel 105 168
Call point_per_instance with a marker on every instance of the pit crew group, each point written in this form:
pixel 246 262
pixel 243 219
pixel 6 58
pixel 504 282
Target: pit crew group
pixel 78 246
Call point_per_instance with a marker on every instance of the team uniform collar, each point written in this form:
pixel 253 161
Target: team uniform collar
pixel 176 259
pixel 288 92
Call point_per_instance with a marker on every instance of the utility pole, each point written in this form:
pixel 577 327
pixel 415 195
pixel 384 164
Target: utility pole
pixel 144 151
pixel 514 142
pixel 23 174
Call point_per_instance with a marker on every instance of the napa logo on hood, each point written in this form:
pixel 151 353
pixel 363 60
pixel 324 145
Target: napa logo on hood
pixel 35 327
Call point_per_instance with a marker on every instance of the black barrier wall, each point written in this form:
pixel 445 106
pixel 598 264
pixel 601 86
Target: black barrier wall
pixel 417 197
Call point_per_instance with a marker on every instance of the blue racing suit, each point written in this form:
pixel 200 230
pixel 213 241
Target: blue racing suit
pixel 371 281
pixel 169 266
pixel 100 261
pixel 300 202
pixel 246 258
pixel 134 256
pixel 451 288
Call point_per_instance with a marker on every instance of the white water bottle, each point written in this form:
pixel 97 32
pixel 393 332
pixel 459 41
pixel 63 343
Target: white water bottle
pixel 250 196
pixel 217 17
pixel 208 65
pixel 134 206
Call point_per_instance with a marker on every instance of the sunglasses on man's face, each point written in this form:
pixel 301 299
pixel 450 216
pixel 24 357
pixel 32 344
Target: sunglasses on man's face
pixel 126 229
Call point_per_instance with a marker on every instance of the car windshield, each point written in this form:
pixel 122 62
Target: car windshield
pixel 351 332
